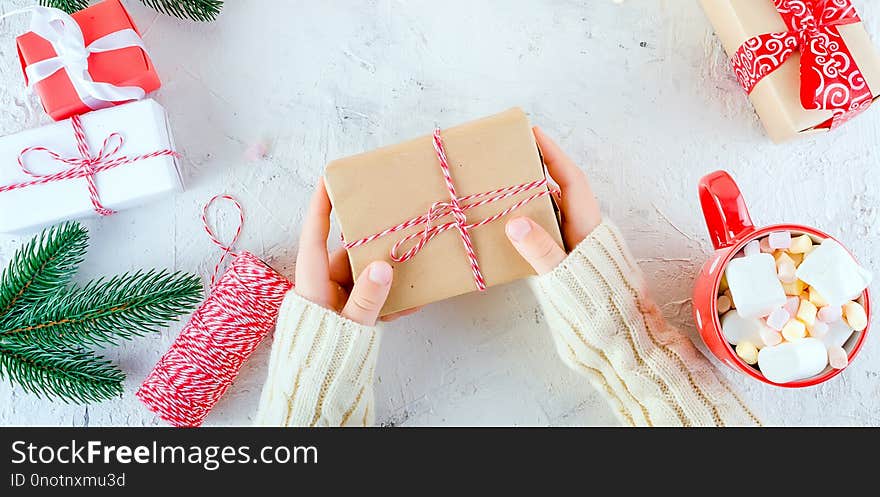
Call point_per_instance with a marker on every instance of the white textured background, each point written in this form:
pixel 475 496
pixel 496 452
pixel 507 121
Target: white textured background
pixel 638 93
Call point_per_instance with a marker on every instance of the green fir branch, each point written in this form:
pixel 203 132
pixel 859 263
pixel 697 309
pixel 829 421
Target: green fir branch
pixel 41 268
pixel 69 6
pixel 103 312
pixel 45 324
pixel 197 10
pixel 66 373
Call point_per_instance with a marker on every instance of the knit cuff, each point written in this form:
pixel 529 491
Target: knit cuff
pixel 320 368
pixel 606 243
pixel 603 322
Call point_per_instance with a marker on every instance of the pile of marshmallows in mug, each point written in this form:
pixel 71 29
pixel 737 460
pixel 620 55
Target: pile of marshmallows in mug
pixel 788 305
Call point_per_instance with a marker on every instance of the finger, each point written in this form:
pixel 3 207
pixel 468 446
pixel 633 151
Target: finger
pixel 534 244
pixel 562 168
pixel 401 314
pixel 340 268
pixel 580 209
pixel 312 262
pixel 369 294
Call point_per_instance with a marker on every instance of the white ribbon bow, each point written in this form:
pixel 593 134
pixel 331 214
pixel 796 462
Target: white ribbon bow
pixel 66 37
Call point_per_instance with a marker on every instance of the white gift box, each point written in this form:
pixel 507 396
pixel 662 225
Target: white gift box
pixel 143 128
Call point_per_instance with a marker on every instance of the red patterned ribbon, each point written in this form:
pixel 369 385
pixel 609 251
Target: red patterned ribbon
pixel 830 78
pixel 456 207
pixel 85 166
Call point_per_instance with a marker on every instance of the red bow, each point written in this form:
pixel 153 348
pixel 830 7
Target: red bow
pixel 85 166
pixel 830 78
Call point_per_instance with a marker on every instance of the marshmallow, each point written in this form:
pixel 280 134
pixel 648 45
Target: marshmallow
pixel 834 273
pixel 778 319
pixel 794 330
pixel 723 304
pixel 770 337
pixel 780 240
pixel 793 361
pixel 855 316
pixel 807 313
pixel 765 246
pixel 794 289
pixel 748 352
pixel 837 358
pixel 752 248
pixel 819 330
pixel 830 313
pixel 737 329
pixel 801 244
pixel 791 305
pixel 754 285
pixel 817 298
pixel 785 268
pixel 838 334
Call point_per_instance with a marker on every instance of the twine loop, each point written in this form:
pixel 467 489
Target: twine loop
pixel 226 248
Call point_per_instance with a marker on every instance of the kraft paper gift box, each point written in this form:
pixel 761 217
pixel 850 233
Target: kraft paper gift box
pixel 777 97
pixel 143 128
pixel 376 190
pixel 129 66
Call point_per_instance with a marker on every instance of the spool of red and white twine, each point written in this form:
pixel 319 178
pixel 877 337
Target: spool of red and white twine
pixel 210 351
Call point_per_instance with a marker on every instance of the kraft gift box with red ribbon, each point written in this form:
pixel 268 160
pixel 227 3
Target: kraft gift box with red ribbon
pixel 91 60
pixel 94 164
pixel 807 65
pixel 435 208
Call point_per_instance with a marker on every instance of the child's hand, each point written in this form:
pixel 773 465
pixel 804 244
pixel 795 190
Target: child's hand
pixel 580 211
pixel 326 279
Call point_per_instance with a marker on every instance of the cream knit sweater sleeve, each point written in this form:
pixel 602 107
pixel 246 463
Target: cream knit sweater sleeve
pixel 606 327
pixel 320 369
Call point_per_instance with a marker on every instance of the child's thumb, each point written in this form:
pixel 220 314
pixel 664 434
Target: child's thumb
pixel 534 244
pixel 369 294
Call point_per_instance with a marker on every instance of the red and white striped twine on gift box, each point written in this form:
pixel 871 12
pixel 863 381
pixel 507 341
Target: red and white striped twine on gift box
pixel 456 207
pixel 85 166
pixel 223 332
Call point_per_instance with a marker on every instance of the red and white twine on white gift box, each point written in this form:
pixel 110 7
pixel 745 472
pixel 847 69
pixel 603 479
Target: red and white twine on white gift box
pixel 456 207
pixel 224 331
pixel 85 166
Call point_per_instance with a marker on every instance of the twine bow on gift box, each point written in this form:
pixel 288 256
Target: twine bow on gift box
pixel 85 166
pixel 455 207
pixel 72 55
pixel 830 78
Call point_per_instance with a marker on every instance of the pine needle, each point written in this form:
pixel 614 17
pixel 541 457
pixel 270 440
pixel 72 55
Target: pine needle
pixel 197 10
pixel 41 268
pixel 45 324
pixel 103 312
pixel 69 6
pixel 69 374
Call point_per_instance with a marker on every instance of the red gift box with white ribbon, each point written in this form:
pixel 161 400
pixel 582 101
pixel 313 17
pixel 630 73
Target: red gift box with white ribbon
pixel 90 60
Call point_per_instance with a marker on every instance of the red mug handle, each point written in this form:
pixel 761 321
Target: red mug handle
pixel 724 209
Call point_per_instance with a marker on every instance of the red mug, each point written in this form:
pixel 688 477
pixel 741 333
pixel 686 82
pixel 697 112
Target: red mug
pixel 731 228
